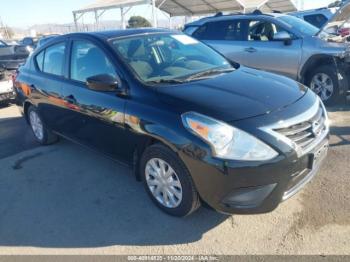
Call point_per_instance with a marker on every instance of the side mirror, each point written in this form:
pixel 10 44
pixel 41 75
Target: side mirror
pixel 102 82
pixel 283 36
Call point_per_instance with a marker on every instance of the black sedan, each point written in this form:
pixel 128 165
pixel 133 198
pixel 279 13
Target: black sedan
pixel 194 126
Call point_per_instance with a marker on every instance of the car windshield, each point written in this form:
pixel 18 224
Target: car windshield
pixel 299 24
pixel 172 58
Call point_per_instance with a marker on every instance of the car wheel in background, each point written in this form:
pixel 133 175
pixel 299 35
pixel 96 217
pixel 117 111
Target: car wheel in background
pixel 325 83
pixel 168 182
pixel 41 133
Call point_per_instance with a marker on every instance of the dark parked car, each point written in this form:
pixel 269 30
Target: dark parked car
pixel 30 42
pixel 319 17
pixel 12 56
pixel 44 39
pixel 192 125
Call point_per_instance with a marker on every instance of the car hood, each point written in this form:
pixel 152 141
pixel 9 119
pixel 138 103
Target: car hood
pixel 337 21
pixel 241 94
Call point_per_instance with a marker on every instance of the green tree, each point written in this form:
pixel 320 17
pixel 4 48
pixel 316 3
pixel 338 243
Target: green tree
pixel 138 21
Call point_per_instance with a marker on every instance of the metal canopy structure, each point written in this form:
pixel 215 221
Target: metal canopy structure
pixel 99 7
pixel 201 7
pixel 184 7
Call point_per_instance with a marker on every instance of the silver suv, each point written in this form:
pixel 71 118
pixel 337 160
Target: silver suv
pixel 285 45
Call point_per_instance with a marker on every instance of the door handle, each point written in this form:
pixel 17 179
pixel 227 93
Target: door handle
pixel 250 50
pixel 70 99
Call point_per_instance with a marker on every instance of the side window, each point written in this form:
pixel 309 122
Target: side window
pixel 40 60
pixel 262 31
pixel 317 20
pixel 231 30
pixel 54 59
pixel 88 60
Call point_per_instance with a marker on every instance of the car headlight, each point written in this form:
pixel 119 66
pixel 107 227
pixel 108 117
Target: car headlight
pixel 227 142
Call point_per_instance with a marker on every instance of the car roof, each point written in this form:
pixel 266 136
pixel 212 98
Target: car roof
pixel 234 16
pixel 122 33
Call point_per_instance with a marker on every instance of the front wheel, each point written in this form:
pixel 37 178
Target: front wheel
pixel 325 83
pixel 168 182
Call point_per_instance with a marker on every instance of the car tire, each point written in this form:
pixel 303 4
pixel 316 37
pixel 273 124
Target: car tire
pixel 41 133
pixel 183 198
pixel 323 76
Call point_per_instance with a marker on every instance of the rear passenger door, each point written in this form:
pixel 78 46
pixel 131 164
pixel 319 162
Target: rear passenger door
pixel 93 118
pixel 46 84
pixel 225 36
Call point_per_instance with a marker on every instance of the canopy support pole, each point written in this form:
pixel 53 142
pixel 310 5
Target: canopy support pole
pixel 154 14
pixel 122 15
pixel 75 21
pixel 96 19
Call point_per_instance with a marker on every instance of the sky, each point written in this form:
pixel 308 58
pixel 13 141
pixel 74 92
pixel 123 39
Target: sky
pixel 25 13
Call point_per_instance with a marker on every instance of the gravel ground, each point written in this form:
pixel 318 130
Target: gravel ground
pixel 64 199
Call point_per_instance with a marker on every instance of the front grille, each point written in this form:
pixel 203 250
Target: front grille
pixel 305 133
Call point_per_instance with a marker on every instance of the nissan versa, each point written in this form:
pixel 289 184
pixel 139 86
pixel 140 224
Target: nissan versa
pixel 195 127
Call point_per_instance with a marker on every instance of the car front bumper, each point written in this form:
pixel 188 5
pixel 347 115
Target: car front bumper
pixel 243 187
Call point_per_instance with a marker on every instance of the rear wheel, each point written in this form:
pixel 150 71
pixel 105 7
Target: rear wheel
pixel 43 135
pixel 324 82
pixel 168 182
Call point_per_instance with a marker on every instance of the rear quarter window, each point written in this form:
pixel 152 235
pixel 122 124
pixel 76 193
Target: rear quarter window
pixel 39 60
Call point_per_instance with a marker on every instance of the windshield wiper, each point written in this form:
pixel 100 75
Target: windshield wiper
pixel 165 81
pixel 209 72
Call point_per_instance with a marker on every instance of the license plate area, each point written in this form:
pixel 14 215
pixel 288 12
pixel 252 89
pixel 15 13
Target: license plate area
pixel 318 155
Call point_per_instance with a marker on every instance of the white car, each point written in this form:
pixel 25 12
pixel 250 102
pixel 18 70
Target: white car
pixel 7 93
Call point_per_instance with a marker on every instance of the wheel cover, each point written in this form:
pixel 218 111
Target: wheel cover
pixel 322 85
pixel 163 183
pixel 36 124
